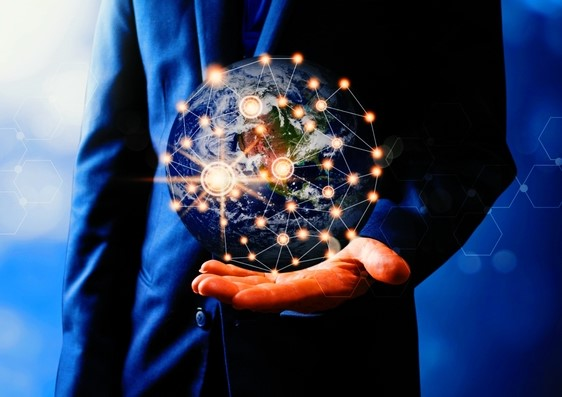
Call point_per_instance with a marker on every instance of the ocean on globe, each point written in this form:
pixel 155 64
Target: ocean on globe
pixel 272 163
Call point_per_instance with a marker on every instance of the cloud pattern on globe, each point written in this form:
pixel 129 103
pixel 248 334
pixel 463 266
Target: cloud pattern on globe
pixel 272 163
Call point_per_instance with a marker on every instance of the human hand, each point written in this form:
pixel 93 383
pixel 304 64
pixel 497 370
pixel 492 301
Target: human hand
pixel 346 275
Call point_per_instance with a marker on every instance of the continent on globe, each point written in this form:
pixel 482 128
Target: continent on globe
pixel 272 163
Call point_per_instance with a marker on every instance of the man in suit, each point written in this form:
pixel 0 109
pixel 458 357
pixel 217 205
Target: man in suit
pixel 138 316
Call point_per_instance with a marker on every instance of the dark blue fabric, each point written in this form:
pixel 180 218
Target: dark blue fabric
pixel 255 12
pixel 129 315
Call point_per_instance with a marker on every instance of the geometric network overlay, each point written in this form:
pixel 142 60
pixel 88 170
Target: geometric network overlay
pixel 272 163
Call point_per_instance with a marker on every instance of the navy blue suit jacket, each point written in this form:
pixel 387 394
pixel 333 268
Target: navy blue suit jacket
pixel 434 73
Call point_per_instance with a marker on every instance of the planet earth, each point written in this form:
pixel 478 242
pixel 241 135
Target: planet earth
pixel 272 163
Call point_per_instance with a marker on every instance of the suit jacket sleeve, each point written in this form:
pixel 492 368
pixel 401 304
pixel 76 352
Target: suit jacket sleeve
pixel 108 211
pixel 449 168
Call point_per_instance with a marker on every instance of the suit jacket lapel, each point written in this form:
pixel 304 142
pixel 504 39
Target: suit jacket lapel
pixel 273 26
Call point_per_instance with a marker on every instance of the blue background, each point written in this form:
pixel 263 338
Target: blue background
pixel 490 319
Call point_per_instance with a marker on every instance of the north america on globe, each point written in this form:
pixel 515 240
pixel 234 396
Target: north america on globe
pixel 272 163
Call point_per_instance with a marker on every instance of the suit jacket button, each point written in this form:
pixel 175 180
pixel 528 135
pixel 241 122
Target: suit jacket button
pixel 201 318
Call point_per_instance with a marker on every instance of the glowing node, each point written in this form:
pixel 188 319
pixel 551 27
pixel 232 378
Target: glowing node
pixel 261 222
pixel 274 272
pixel 369 117
pixel 327 164
pixel 265 59
pixel 335 211
pixel 297 58
pixel 186 143
pixel 298 112
pixel 283 239
pixel 376 171
pixel 204 121
pixel 217 178
pixel 353 179
pixel 302 234
pixel 260 129
pixel 243 240
pixel 227 257
pixel 337 143
pixel 313 83
pixel 350 234
pixel 373 196
pixel 321 105
pixel 202 206
pixel 328 192
pixel 191 188
pixel 235 193
pixel 175 205
pixel 329 254
pixel 344 84
pixel 325 236
pixel 181 107
pixel 377 153
pixel 295 261
pixel 251 256
pixel 166 158
pixel 264 175
pixel 282 168
pixel 223 222
pixel 309 126
pixel 282 101
pixel 291 206
pixel 218 131
pixel 250 106
pixel 215 75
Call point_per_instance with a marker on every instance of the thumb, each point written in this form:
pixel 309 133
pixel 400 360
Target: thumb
pixel 381 262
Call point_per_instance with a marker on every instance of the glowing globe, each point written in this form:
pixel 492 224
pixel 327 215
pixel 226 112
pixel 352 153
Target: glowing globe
pixel 272 163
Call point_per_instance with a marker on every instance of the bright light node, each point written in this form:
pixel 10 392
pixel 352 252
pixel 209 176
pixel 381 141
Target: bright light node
pixel 373 196
pixel 250 106
pixel 202 206
pixel 344 84
pixel 191 188
pixel 309 126
pixel 302 234
pixel 204 121
pixel 327 164
pixel 175 205
pixel 376 171
pixel 353 179
pixel 313 83
pixel 297 58
pixel 217 178
pixel 377 153
pixel 260 129
pixel 298 112
pixel 369 117
pixel 243 240
pixel 166 158
pixel 282 168
pixel 328 192
pixel 335 211
pixel 291 206
pixel 265 59
pixel 261 222
pixel 218 131
pixel 325 236
pixel 235 193
pixel 181 107
pixel 264 175
pixel 223 222
pixel 283 239
pixel 329 254
pixel 186 143
pixel 295 261
pixel 251 256
pixel 274 272
pixel 351 234
pixel 282 101
pixel 337 143
pixel 215 75
pixel 227 257
pixel 321 105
